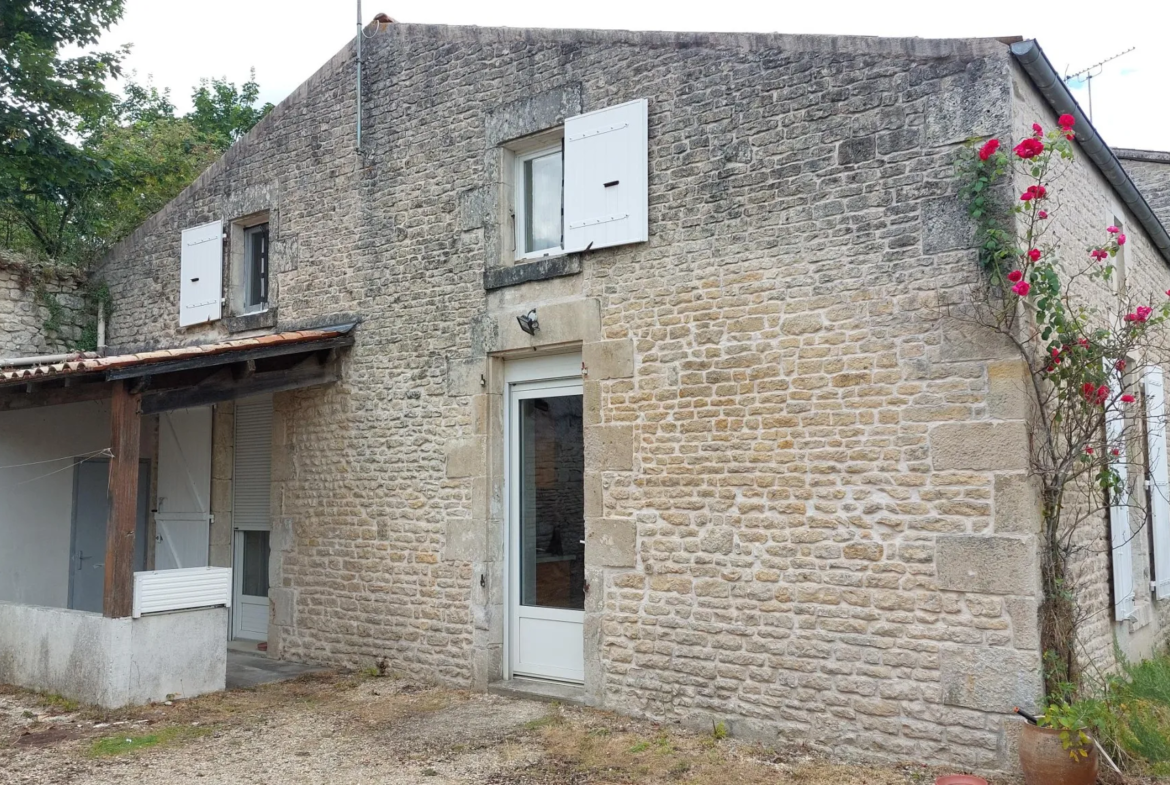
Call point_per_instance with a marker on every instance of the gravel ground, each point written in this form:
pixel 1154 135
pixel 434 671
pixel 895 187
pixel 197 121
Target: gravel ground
pixel 346 730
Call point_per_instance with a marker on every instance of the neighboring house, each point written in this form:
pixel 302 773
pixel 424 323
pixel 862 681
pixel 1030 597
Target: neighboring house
pixel 650 395
pixel 1150 171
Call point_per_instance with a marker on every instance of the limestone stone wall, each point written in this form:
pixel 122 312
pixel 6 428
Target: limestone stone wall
pixel 1150 171
pixel 805 498
pixel 23 315
pixel 1085 206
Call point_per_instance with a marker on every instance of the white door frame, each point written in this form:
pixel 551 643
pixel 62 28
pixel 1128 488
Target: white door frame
pixel 527 378
pixel 239 599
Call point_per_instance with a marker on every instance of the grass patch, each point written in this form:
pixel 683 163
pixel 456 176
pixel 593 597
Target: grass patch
pixel 125 744
pixel 58 703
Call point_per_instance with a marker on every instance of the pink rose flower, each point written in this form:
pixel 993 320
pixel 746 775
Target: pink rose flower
pixel 1034 254
pixel 1022 288
pixel 1015 276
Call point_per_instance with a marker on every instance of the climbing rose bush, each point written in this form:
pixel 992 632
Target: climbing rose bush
pixel 1076 352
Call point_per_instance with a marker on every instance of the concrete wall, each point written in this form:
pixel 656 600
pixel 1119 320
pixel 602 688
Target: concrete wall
pixel 792 460
pixel 37 511
pixel 23 315
pixel 36 487
pixel 113 662
pixel 1085 206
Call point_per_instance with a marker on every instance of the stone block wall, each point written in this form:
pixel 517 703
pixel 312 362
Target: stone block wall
pixel 24 314
pixel 807 513
pixel 1150 171
pixel 1084 206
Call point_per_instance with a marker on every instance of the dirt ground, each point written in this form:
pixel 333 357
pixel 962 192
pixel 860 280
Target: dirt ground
pixel 344 729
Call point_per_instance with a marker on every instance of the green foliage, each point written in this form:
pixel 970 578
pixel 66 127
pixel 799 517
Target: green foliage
pixel 44 98
pixel 79 166
pixel 222 113
pixel 1073 720
pixel 718 731
pixel 122 745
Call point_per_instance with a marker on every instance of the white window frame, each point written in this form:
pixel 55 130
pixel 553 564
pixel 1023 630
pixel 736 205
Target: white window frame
pixel 521 218
pixel 248 261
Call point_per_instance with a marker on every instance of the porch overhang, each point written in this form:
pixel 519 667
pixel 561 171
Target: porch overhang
pixel 187 376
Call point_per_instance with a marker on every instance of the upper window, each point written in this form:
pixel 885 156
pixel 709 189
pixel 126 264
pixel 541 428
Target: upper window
pixel 255 268
pixel 540 202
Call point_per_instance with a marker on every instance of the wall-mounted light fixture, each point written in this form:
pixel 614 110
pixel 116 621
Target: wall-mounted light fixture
pixel 528 322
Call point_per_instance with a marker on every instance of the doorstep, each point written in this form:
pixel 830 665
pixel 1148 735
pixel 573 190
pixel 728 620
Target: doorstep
pixel 539 689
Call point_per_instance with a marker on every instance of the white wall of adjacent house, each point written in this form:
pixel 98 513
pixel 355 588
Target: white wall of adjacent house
pixel 38 451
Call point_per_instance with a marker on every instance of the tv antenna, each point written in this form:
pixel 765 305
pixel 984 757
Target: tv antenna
pixel 1096 69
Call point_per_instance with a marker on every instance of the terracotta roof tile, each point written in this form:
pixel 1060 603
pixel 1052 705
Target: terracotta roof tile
pixel 98 364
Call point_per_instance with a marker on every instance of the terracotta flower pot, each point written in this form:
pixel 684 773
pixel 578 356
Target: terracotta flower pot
pixel 960 779
pixel 1046 762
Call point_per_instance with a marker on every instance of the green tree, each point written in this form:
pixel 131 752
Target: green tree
pixel 223 114
pixel 45 175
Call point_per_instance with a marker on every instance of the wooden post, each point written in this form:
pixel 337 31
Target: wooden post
pixel 125 428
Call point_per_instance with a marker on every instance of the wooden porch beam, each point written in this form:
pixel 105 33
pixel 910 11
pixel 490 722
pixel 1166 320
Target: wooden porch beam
pixel 125 433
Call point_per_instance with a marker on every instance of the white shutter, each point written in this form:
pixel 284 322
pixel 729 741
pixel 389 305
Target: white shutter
pixel 1120 533
pixel 1159 478
pixel 605 177
pixel 201 268
pixel 252 474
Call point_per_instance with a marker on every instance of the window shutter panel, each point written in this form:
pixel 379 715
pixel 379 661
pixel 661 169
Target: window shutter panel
pixel 1159 478
pixel 605 177
pixel 252 472
pixel 201 271
pixel 1119 529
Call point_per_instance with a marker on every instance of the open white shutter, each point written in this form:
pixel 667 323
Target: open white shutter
pixel 605 177
pixel 201 268
pixel 1159 478
pixel 1119 529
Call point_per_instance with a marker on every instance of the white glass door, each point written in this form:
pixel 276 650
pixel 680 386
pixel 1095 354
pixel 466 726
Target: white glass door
pixel 250 606
pixel 546 512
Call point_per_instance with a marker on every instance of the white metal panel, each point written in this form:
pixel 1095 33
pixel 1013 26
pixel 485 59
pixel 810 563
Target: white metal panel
pixel 1119 527
pixel 172 590
pixel 181 540
pixel 252 473
pixel 606 162
pixel 201 271
pixel 1159 478
pixel 184 461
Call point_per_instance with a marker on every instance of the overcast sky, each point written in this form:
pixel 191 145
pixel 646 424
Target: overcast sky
pixel 287 40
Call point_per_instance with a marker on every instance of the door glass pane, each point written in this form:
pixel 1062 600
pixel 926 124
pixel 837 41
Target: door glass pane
pixel 542 202
pixel 254 575
pixel 255 251
pixel 552 503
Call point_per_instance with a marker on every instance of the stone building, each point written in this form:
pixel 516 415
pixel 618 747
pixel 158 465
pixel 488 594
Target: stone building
pixel 651 401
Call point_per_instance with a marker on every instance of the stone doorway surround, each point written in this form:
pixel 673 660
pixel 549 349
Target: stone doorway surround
pixel 566 324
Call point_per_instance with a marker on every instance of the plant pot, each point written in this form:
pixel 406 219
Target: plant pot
pixel 1046 762
pixel 960 779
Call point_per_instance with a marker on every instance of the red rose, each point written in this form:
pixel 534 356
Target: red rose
pixel 1034 254
pixel 1066 121
pixel 1127 398
pixel 1036 129
pixel 1112 229
pixel 1089 450
pixel 1034 192
pixel 1015 276
pixel 1121 239
pixel 988 149
pixel 1102 394
pixel 1022 288
pixel 1042 215
pixel 1119 365
pixel 1029 148
pixel 1099 254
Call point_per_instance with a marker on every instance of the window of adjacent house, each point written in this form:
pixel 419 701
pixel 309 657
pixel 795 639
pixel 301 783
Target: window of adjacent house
pixel 1157 480
pixel 539 202
pixel 255 268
